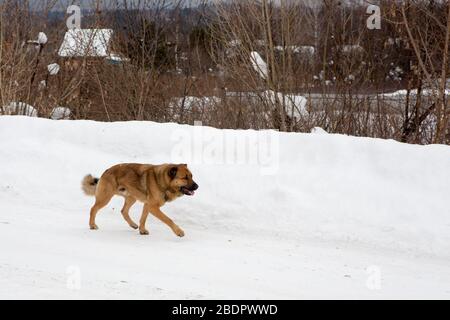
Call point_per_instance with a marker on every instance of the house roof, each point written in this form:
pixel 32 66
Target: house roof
pixel 86 43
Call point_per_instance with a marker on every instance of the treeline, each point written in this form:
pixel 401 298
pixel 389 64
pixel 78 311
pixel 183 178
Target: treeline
pixel 184 63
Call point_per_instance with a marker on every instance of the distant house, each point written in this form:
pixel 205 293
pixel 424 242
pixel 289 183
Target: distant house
pixel 88 43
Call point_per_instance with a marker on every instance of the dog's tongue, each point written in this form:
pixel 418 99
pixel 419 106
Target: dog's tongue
pixel 188 192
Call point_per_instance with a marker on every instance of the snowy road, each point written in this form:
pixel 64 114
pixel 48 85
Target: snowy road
pixel 118 263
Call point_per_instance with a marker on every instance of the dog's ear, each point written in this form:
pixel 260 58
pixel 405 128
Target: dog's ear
pixel 173 172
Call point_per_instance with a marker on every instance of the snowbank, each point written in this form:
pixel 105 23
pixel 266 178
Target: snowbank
pixel 331 187
pixel 330 206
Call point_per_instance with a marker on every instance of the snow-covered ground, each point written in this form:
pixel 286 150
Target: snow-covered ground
pixel 320 216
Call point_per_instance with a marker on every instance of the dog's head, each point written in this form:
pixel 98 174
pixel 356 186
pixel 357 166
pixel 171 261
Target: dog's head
pixel 180 178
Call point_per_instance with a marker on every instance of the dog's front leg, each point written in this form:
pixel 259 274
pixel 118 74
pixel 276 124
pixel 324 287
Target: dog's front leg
pixel 145 212
pixel 161 216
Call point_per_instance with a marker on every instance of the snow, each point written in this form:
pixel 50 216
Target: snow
pixel 86 43
pixel 260 43
pixel 318 130
pixel 235 43
pixel 403 92
pixel 60 113
pixel 117 58
pixel 53 69
pixel 295 104
pixel 40 41
pixel 306 50
pixel 19 108
pixel 42 85
pixel 350 78
pixel 42 38
pixel 351 48
pixel 259 65
pixel 395 41
pixel 337 217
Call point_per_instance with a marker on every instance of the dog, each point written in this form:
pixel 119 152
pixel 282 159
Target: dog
pixel 153 185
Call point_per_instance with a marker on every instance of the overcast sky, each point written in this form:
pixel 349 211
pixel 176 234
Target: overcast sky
pixel 89 4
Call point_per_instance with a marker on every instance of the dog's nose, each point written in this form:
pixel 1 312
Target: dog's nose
pixel 194 186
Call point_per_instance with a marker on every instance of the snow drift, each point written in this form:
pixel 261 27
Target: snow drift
pixel 326 190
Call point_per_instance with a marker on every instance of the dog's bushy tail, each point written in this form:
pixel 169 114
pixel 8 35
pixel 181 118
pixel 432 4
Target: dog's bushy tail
pixel 89 185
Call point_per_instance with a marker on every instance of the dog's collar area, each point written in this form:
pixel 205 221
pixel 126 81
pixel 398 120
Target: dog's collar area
pixel 170 195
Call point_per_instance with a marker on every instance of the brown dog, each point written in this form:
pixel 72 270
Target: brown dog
pixel 154 185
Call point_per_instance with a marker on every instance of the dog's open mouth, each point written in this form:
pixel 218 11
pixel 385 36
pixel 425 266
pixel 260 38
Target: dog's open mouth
pixel 186 191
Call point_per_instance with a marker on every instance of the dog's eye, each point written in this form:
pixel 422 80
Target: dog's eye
pixel 186 178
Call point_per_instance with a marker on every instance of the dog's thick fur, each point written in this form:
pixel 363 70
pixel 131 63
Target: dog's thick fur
pixel 154 185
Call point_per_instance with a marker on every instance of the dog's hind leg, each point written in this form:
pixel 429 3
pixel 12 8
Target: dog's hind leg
pixel 129 201
pixel 101 200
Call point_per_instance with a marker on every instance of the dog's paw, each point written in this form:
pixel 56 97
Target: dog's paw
pixel 144 232
pixel 134 226
pixel 93 227
pixel 179 232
